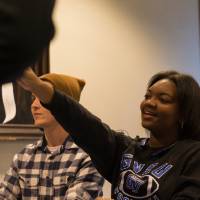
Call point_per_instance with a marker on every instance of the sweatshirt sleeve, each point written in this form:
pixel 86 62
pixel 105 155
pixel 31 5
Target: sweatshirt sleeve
pixel 88 132
pixel 26 29
pixel 188 184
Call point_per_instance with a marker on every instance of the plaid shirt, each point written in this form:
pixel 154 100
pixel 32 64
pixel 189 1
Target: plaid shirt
pixel 36 173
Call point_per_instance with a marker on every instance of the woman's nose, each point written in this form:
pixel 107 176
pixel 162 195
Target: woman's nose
pixel 151 102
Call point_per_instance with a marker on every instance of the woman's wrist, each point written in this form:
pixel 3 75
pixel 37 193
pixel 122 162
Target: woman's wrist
pixel 45 92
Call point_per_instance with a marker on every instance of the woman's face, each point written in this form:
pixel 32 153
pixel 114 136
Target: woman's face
pixel 159 109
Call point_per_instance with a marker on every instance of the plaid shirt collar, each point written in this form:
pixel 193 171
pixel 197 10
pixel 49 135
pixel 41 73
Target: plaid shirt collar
pixel 67 145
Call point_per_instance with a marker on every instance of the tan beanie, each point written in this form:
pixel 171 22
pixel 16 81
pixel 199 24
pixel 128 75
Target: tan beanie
pixel 67 84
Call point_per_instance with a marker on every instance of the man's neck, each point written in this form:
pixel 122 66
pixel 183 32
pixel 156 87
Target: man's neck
pixel 55 136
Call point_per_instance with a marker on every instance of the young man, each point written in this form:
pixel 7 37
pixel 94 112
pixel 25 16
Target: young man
pixel 54 167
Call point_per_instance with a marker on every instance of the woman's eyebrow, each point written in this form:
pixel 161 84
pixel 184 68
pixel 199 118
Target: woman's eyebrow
pixel 160 93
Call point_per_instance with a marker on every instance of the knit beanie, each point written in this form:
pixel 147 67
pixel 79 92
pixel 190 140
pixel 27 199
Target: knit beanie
pixel 67 84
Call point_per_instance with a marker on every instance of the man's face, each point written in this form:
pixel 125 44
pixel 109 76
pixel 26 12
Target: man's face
pixel 42 117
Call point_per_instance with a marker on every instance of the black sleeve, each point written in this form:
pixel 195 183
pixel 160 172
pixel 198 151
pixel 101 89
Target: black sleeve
pixel 102 143
pixel 188 184
pixel 25 30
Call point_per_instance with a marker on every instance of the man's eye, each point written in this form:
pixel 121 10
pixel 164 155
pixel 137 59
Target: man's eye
pixel 32 98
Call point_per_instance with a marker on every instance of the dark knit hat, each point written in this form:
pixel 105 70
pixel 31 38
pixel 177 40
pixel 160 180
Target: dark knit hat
pixel 67 84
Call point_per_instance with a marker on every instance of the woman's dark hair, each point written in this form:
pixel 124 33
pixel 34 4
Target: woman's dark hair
pixel 188 94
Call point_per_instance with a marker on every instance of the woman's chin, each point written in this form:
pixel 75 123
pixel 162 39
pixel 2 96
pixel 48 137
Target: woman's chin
pixel 147 125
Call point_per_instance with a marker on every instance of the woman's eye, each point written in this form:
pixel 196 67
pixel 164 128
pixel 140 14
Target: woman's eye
pixel 165 100
pixel 147 96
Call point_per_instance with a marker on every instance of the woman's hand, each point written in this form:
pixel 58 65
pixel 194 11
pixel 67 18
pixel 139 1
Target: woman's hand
pixel 29 80
pixel 32 83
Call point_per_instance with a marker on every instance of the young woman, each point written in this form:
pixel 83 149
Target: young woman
pixel 164 166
